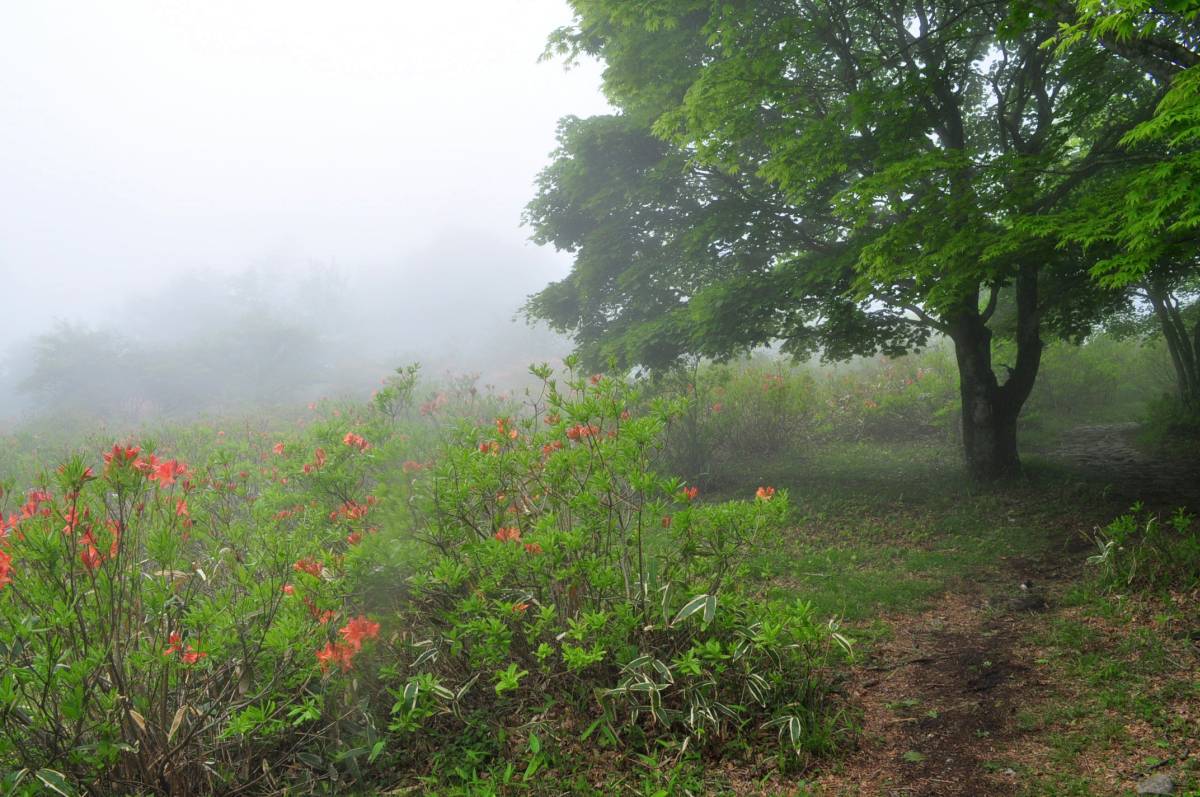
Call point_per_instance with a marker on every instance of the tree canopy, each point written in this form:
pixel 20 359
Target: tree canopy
pixel 841 176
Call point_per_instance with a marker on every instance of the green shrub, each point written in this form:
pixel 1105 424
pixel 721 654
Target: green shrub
pixel 1173 426
pixel 572 579
pixel 414 585
pixel 1138 550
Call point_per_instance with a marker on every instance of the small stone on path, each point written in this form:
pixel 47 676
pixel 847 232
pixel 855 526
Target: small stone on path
pixel 1156 784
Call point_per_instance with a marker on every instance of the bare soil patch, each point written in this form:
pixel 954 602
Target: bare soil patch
pixel 938 703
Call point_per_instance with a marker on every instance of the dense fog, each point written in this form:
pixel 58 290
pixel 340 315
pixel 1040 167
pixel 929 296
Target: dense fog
pixel 283 333
pixel 207 206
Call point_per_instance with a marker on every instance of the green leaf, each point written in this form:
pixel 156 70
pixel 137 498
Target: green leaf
pixel 55 781
pixel 691 607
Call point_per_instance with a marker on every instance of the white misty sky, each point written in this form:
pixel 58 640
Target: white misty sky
pixel 141 139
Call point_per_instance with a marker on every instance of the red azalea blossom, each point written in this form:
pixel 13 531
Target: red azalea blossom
pixel 308 565
pixel 354 538
pixel 339 654
pixel 354 441
pixel 175 641
pixel 358 630
pixel 579 431
pixel 519 608
pixel 90 556
pixel 119 456
pixel 181 508
pixel 278 448
pixel 192 656
pixel 508 534
pixel 33 505
pixel 321 617
pixel 166 472
pixel 5 568
pixel 764 493
pixel 690 493
pixel 288 589
pixel 114 528
pixel 352 510
pixel 533 548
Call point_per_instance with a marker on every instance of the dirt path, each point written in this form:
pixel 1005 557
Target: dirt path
pixel 1108 455
pixel 942 698
pixel 939 703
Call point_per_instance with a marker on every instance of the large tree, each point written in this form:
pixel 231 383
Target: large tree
pixel 1139 219
pixel 844 176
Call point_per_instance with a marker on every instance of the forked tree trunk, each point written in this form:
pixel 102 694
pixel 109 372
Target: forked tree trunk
pixel 990 409
pixel 1183 346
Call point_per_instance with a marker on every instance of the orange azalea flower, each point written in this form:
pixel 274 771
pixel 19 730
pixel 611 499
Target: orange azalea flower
pixel 533 548
pixel 308 565
pixel 519 608
pixel 5 568
pixel 91 557
pixel 181 508
pixel 579 431
pixel 121 456
pixel 354 538
pixel 176 641
pixel 690 493
pixel 288 589
pixel 508 534
pixel 166 472
pixel 764 493
pixel 339 654
pixel 278 448
pixel 192 656
pixel 354 441
pixel 358 630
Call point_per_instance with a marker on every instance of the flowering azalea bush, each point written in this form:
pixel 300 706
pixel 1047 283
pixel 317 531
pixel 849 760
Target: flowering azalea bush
pixel 571 579
pixel 264 610
pixel 155 630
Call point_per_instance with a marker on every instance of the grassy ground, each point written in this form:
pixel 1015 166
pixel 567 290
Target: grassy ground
pixel 965 682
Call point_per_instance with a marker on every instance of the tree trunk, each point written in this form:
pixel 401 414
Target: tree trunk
pixel 990 409
pixel 1185 352
pixel 989 422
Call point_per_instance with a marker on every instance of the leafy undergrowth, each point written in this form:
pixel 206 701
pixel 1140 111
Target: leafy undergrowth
pixel 501 595
pixel 474 595
pixel 1125 702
